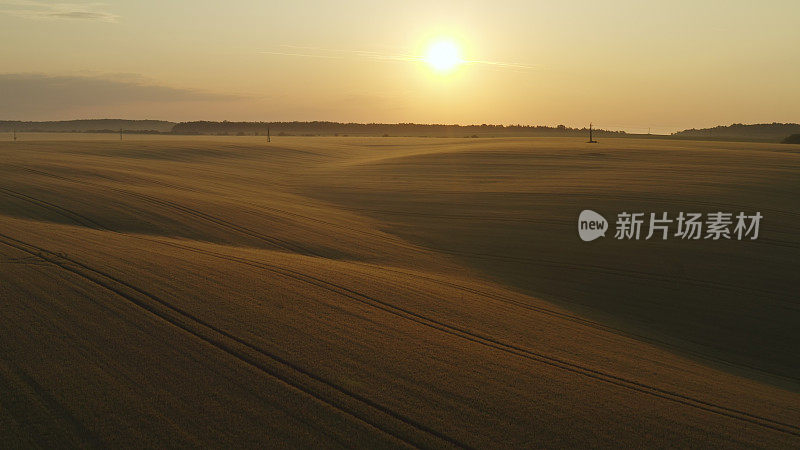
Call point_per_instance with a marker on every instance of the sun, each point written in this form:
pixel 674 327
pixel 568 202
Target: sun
pixel 443 56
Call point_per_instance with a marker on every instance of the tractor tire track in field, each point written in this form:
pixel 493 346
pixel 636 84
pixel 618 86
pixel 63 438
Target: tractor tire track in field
pixel 185 320
pixel 466 334
pixel 636 274
pixel 571 318
pixel 294 247
pixel 537 221
pixel 14 380
pixel 63 212
pixel 277 242
pixel 594 196
pixel 508 348
pixel 85 221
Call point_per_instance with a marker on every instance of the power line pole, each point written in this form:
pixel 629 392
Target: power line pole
pixel 120 134
pixel 15 134
pixel 268 137
pixel 591 141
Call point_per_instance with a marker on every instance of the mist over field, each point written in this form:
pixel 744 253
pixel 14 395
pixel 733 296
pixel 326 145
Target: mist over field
pixel 418 224
pixel 391 292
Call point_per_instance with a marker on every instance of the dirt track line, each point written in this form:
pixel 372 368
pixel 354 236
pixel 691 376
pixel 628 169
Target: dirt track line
pixel 568 317
pixel 575 319
pixel 646 276
pixel 478 338
pixel 572 318
pixel 49 402
pixel 479 217
pixel 64 212
pixel 594 196
pixel 389 238
pixel 280 243
pixel 513 349
pixel 296 248
pixel 54 259
pixel 762 240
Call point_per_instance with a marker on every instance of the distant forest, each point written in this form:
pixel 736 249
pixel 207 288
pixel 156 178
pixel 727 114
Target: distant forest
pixel 759 132
pixel 88 125
pixel 379 129
pixel 769 132
pixel 296 128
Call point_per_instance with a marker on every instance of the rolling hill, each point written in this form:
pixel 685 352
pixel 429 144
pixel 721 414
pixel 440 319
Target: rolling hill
pixel 391 292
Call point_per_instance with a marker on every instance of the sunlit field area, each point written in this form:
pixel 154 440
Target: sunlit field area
pixel 393 292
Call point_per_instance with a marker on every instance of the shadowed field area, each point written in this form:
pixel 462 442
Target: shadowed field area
pixel 393 292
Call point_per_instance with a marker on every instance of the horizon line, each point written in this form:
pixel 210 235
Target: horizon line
pixel 611 128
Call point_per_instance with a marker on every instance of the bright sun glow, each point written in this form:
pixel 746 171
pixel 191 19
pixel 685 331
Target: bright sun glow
pixel 443 56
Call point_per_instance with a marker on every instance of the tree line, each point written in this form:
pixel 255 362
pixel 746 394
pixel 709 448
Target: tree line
pixel 378 129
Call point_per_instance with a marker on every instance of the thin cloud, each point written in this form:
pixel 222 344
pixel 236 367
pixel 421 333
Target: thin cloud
pixel 38 10
pixel 329 53
pixel 23 95
pixel 300 54
pixel 502 64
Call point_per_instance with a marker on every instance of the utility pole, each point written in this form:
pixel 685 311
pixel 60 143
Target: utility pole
pixel 120 134
pixel 590 131
pixel 591 141
pixel 268 138
pixel 15 134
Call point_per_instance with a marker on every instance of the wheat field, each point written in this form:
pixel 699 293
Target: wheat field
pixel 392 292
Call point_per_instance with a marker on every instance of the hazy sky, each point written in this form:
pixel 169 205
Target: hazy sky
pixel 621 64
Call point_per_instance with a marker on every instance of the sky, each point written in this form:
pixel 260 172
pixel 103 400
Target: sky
pixel 631 65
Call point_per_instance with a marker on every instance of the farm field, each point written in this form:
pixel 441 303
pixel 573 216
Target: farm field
pixel 393 292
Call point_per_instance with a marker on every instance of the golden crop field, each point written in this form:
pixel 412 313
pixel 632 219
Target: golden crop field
pixel 392 292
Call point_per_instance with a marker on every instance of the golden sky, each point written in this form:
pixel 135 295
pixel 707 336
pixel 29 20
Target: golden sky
pixel 622 64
